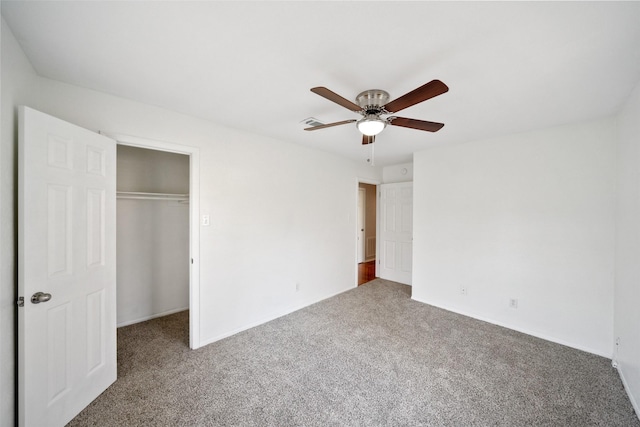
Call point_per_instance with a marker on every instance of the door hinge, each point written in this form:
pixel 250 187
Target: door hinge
pixel 20 302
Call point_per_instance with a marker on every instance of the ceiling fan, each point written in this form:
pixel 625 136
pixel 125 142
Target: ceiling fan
pixel 374 103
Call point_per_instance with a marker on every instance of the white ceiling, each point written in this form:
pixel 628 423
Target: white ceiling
pixel 510 66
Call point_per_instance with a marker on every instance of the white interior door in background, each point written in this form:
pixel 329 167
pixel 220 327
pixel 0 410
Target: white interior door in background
pixel 66 264
pixel 361 218
pixel 396 232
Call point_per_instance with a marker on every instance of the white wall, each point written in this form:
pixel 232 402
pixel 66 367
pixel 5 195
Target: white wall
pixel 18 86
pixel 402 172
pixel 627 287
pixel 152 236
pixel 527 216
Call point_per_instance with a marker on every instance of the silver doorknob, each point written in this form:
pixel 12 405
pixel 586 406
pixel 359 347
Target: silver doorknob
pixel 39 297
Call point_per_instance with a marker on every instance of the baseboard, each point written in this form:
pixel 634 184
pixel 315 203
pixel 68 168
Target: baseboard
pixel 288 310
pixel 522 330
pixel 634 403
pixel 153 316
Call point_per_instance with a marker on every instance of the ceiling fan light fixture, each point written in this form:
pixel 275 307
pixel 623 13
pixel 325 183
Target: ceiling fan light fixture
pixel 371 125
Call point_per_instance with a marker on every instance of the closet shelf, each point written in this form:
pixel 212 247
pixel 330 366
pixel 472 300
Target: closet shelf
pixel 152 196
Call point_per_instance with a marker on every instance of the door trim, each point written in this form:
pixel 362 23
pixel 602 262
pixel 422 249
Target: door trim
pixel 194 219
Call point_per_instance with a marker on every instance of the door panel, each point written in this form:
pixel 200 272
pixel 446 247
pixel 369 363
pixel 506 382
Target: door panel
pixel 396 231
pixel 389 212
pixel 389 255
pixel 406 257
pixel 66 245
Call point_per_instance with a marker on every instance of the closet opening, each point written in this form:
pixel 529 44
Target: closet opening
pixel 152 232
pixel 158 240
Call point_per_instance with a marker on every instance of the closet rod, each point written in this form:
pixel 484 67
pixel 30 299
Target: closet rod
pixel 151 196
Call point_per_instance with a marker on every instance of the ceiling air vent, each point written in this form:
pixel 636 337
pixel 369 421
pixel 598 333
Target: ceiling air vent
pixel 311 121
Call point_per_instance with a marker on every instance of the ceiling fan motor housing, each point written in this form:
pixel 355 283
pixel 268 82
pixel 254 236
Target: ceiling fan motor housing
pixel 372 101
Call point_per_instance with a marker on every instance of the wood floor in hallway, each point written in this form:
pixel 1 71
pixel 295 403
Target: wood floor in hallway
pixel 366 272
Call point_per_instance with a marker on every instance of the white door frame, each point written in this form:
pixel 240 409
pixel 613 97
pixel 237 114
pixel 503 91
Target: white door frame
pixel 194 219
pixel 357 229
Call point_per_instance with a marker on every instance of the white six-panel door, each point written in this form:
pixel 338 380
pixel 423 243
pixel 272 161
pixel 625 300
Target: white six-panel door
pixel 66 245
pixel 396 232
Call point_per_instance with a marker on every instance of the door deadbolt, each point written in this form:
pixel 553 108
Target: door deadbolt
pixel 39 297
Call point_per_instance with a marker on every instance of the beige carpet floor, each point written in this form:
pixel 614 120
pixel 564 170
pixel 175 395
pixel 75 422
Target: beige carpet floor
pixel 368 357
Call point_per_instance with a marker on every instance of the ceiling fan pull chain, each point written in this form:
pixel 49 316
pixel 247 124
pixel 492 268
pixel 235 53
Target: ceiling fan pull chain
pixel 372 159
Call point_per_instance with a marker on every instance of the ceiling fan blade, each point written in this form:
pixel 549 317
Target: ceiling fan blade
pixel 334 97
pixel 328 125
pixel 366 139
pixel 424 92
pixel 415 124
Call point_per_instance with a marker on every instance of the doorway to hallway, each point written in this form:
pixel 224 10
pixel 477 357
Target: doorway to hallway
pixel 366 232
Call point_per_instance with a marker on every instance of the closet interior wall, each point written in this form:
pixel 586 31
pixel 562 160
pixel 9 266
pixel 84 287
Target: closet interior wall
pixel 152 234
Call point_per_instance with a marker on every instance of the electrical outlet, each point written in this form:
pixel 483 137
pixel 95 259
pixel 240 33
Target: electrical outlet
pixel 463 290
pixel 513 303
pixel 206 220
pixel 297 286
